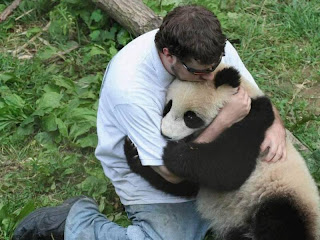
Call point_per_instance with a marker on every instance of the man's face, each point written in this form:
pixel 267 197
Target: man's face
pixel 192 70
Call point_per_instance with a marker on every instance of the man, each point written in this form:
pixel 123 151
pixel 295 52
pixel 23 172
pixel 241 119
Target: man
pixel 189 45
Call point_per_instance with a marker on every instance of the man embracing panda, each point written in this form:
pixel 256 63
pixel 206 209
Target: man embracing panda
pixel 189 45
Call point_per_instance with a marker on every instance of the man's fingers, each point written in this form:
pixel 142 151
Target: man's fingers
pixel 275 153
pixel 271 154
pixel 283 152
pixel 278 155
pixel 249 103
pixel 237 91
pixel 284 155
pixel 240 91
pixel 264 145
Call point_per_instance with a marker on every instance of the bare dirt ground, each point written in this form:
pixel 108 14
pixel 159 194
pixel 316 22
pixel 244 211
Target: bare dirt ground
pixel 312 95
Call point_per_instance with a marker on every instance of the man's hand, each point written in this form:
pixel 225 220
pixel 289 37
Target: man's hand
pixel 234 111
pixel 237 108
pixel 275 141
pixel 166 174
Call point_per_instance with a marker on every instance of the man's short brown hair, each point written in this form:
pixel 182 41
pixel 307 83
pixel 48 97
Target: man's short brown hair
pixel 192 32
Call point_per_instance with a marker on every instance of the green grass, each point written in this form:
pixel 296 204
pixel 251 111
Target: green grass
pixel 48 101
pixel 282 55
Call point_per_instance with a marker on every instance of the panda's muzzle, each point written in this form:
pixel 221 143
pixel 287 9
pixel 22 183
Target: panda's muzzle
pixel 165 136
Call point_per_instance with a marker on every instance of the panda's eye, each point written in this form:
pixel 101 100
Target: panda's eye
pixel 167 108
pixel 192 120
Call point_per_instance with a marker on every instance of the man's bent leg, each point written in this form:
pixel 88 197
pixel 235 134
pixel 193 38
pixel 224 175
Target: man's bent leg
pixel 150 221
pixel 170 221
pixel 85 222
pixel 45 223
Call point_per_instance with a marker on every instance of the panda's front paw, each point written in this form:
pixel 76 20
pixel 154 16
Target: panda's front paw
pixel 131 152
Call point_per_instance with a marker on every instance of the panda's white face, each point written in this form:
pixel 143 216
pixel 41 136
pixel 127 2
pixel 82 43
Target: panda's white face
pixel 191 106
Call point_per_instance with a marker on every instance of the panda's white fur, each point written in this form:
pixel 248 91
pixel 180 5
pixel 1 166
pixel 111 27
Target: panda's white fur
pixel 229 210
pixel 290 178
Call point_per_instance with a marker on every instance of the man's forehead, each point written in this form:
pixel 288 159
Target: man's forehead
pixel 197 64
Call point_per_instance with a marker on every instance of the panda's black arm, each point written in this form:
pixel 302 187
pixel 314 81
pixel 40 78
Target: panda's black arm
pixel 184 188
pixel 225 163
pixel 209 164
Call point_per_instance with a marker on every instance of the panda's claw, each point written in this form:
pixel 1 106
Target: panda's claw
pixel 130 150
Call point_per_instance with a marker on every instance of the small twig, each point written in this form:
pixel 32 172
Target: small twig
pixel 58 54
pixel 62 53
pixel 31 40
pixel 298 90
pixel 45 42
pixel 297 142
pixel 26 13
pixel 9 10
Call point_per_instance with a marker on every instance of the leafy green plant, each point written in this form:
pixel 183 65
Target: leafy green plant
pixel 9 219
pixel 162 7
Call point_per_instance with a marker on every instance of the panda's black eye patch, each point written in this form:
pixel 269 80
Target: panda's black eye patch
pixel 167 108
pixel 192 120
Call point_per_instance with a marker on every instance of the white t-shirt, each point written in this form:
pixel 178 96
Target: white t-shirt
pixel 131 103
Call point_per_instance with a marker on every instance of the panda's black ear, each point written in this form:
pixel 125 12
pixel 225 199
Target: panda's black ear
pixel 230 76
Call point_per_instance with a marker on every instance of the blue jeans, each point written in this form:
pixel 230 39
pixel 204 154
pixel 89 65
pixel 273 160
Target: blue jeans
pixel 178 221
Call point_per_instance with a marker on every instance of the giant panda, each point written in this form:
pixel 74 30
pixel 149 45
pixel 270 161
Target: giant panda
pixel 243 197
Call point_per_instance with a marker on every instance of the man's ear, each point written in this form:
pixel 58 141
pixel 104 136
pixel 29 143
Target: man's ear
pixel 166 52
pixel 169 57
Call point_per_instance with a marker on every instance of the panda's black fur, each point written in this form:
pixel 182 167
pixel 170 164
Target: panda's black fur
pixel 225 163
pixel 184 188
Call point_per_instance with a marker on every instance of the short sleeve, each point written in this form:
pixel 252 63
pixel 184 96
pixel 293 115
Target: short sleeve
pixel 232 58
pixel 142 126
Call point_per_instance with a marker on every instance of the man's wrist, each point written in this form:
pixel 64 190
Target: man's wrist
pixel 166 174
pixel 213 130
pixel 277 118
pixel 222 122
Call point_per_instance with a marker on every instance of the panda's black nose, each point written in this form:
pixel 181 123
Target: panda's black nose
pixel 166 137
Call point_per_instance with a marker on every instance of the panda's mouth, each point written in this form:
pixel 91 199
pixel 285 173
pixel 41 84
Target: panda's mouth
pixel 189 138
pixel 192 136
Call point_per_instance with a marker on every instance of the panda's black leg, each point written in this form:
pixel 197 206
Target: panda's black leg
pixel 238 234
pixel 278 218
pixel 184 188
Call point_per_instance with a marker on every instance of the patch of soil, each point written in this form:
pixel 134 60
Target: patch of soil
pixel 312 95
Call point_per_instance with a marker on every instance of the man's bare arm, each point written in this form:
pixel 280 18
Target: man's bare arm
pixel 275 140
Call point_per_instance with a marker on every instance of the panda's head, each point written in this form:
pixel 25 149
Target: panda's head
pixel 191 106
